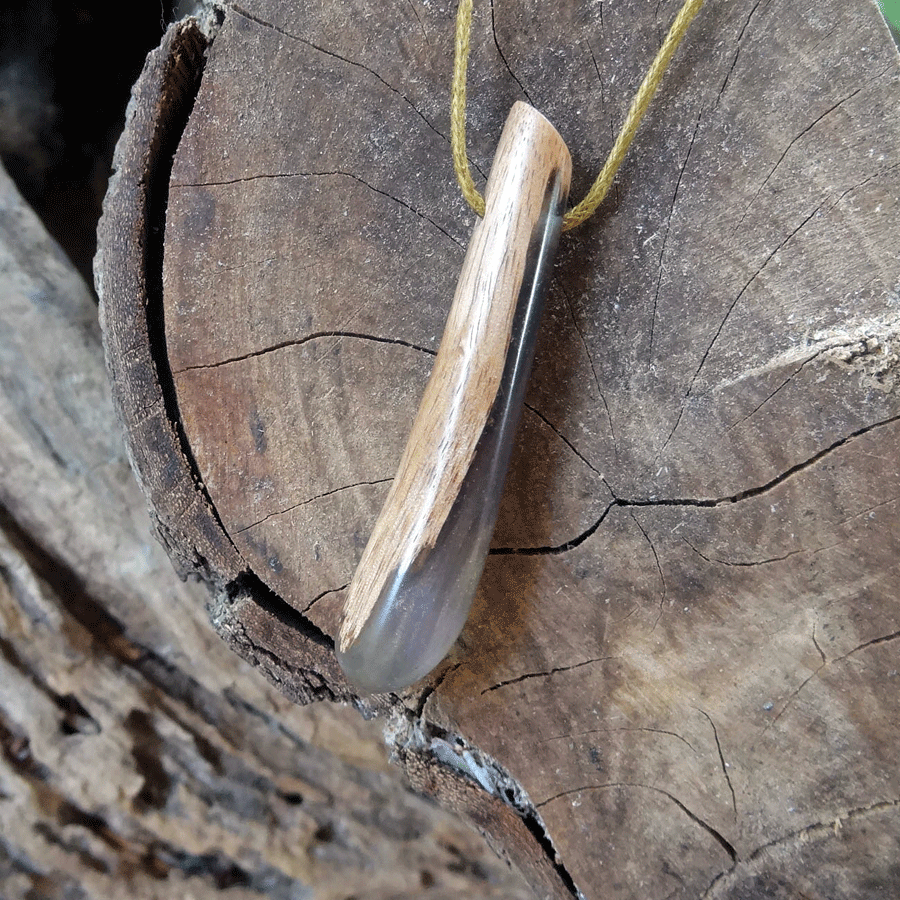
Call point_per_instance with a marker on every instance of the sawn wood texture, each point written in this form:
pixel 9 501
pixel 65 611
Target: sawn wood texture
pixel 684 646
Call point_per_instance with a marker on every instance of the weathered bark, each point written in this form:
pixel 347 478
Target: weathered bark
pixel 140 757
pixel 684 646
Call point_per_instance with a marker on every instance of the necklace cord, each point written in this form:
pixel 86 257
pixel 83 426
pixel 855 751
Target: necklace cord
pixel 594 197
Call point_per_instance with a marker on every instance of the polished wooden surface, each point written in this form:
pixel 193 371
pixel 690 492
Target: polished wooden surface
pixel 526 191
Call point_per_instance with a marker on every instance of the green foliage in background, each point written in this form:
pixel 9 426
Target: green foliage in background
pixel 891 10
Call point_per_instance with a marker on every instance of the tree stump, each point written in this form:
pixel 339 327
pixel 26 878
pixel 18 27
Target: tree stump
pixel 680 678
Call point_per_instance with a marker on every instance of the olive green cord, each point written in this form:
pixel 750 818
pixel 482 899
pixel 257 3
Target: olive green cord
pixel 588 206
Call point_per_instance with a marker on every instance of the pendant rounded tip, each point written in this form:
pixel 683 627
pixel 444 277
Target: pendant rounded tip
pixel 406 637
pixel 373 675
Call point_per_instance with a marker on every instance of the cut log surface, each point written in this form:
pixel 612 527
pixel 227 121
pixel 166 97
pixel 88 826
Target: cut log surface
pixel 682 663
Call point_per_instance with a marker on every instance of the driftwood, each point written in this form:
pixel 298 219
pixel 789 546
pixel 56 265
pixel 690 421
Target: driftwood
pixel 680 678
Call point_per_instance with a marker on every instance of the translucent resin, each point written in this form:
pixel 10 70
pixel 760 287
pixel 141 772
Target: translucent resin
pixel 418 575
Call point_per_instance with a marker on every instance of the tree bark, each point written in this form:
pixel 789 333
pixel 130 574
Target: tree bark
pixel 680 676
pixel 141 757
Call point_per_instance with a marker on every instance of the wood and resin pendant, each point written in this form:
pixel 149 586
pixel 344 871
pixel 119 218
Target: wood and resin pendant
pixel 412 591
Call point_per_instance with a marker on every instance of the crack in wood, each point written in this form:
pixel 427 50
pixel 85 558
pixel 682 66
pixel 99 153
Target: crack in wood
pixel 249 585
pixel 563 438
pixel 412 735
pixel 863 183
pixel 578 734
pixel 559 548
pixel 721 885
pixel 662 577
pixel 772 483
pixel 714 833
pixel 412 6
pixel 334 173
pixel 299 342
pixel 596 66
pixel 787 149
pixel 722 762
pixel 737 52
pixel 324 593
pixel 337 490
pixel 665 241
pixel 867 510
pixel 659 34
pixel 503 58
pixel 546 674
pixel 751 563
pixel 432 688
pixel 246 14
pixel 884 639
pixel 708 503
pixel 689 392
pixel 816 643
pixel 590 360
pixel 793 696
pixel 783 384
pixel 609 118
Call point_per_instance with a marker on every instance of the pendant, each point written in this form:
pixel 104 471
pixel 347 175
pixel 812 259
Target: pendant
pixel 412 591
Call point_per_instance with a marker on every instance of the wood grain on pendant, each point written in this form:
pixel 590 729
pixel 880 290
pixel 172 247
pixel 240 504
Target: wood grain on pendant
pixel 412 591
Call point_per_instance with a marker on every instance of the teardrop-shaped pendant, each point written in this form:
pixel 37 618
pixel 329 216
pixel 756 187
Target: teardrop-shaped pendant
pixel 412 591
